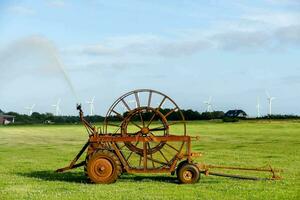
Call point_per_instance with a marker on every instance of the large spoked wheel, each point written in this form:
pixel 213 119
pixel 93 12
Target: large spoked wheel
pixel 103 167
pixel 188 173
pixel 147 113
pixel 144 130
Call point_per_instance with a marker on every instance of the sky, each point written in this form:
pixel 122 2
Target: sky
pixel 233 51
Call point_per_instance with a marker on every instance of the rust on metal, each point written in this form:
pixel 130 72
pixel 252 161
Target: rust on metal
pixel 141 139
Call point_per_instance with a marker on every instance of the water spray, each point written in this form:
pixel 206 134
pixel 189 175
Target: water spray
pixel 35 53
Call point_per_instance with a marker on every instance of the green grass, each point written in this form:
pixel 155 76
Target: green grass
pixel 30 154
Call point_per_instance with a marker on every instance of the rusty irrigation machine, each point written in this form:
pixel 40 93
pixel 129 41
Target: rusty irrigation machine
pixel 138 137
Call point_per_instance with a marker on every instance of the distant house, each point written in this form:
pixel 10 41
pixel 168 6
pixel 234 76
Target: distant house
pixel 236 114
pixel 6 119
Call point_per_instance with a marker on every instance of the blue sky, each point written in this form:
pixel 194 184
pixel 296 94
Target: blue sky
pixel 231 50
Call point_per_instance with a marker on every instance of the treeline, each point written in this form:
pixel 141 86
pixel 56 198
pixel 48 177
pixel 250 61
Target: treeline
pixel 195 115
pixel 186 114
pixel 49 118
pixel 278 117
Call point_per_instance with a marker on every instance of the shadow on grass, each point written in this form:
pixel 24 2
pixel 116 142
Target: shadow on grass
pixel 79 177
pixel 149 178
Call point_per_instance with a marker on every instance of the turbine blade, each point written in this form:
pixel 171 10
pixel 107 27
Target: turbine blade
pixel 268 94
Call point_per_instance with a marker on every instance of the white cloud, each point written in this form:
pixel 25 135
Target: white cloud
pixel 255 30
pixel 22 10
pixel 273 19
pixel 142 45
pixel 229 40
pixel 57 3
pixel 186 47
pixel 92 49
pixel 242 40
pixel 285 2
pixel 289 35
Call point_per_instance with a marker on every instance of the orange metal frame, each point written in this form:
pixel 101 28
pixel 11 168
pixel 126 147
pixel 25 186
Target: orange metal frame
pixel 111 141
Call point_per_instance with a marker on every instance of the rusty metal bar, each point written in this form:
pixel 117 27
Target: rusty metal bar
pixel 162 170
pixel 243 168
pixel 161 103
pixel 120 156
pixel 73 163
pixel 170 112
pixel 205 169
pixel 189 149
pixel 145 155
pixel 118 114
pixel 125 104
pixel 114 138
pixel 237 176
pixel 137 99
pixel 149 99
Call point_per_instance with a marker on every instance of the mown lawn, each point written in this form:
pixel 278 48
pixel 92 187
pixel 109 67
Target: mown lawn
pixel 30 154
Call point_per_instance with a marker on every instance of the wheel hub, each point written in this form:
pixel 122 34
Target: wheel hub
pixel 188 175
pixel 103 168
pixel 145 130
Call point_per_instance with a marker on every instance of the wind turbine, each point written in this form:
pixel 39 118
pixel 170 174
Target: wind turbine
pixel 57 108
pixel 270 99
pixel 208 104
pixel 258 107
pixel 30 108
pixel 92 108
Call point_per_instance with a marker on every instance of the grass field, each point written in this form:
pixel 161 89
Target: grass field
pixel 30 154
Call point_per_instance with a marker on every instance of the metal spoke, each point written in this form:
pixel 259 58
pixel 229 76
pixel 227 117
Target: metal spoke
pixel 129 156
pixel 170 112
pixel 150 154
pixel 140 160
pixel 145 155
pixel 142 120
pixel 122 146
pixel 136 133
pixel 151 135
pixel 157 161
pixel 172 147
pixel 136 124
pixel 146 118
pixel 137 99
pixel 177 122
pixel 149 99
pixel 113 125
pixel 152 118
pixel 161 103
pixel 163 156
pixel 117 130
pixel 126 105
pixel 160 128
pixel 118 114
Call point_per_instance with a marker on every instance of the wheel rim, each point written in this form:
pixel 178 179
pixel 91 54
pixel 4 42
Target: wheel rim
pixel 145 130
pixel 145 119
pixel 124 103
pixel 102 168
pixel 188 175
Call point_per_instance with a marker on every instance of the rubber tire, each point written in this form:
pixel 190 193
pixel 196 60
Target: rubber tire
pixel 188 168
pixel 105 155
pixel 180 165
